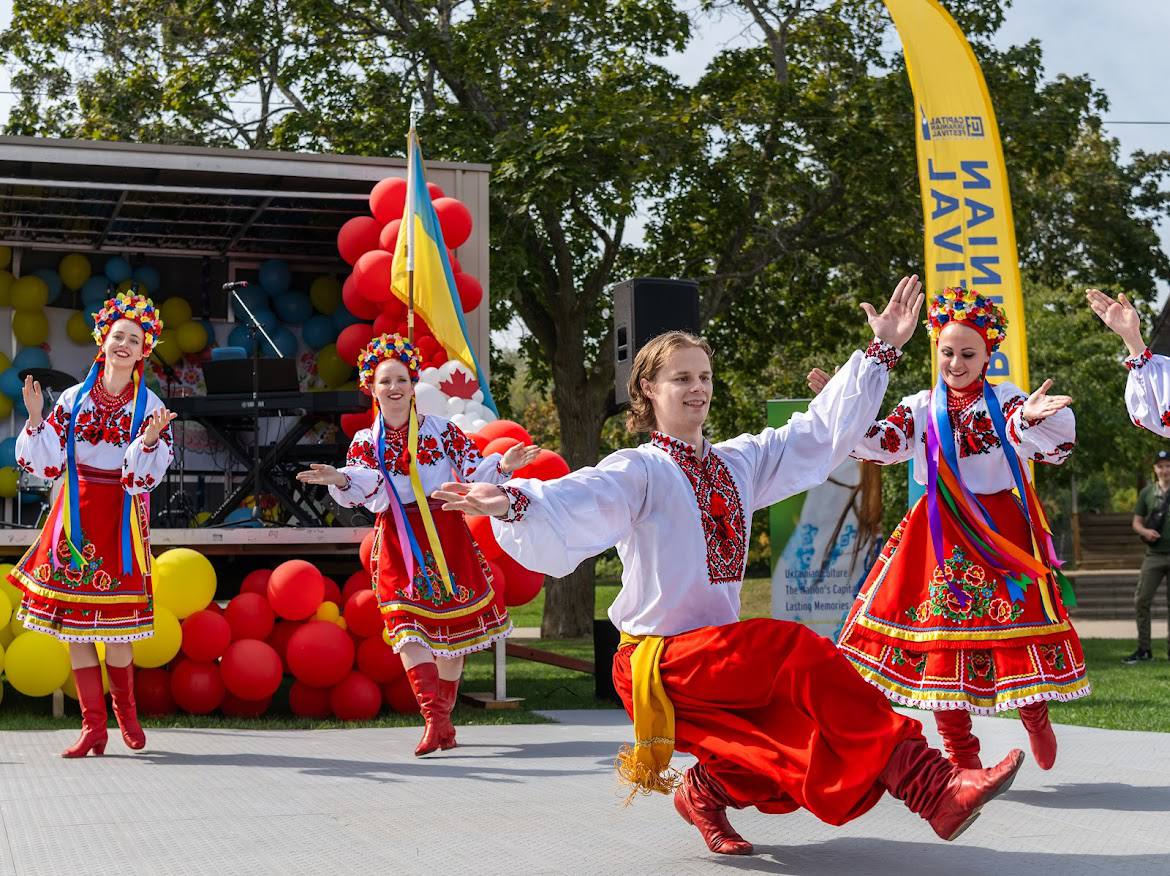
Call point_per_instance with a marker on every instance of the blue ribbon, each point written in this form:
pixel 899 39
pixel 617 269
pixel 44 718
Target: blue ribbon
pixel 73 529
pixel 127 499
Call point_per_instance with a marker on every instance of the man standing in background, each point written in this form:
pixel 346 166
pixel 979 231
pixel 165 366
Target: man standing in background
pixel 1149 522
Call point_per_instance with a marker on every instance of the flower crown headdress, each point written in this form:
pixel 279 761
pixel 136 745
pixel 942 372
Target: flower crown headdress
pixel 387 347
pixel 134 307
pixel 972 309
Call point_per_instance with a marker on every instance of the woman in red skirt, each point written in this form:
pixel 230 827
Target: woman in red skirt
pixel 774 714
pixel 86 579
pixel 434 586
pixel 964 611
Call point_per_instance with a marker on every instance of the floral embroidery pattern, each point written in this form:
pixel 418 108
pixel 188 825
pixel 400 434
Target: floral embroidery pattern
pixel 1139 361
pixel 720 508
pixel 1053 657
pixel 886 354
pixel 517 504
pixel 461 450
pixel 92 576
pixel 900 657
pixel 428 586
pixel 893 429
pixel 974 433
pixel 1059 454
pixel 980 666
pixel 971 579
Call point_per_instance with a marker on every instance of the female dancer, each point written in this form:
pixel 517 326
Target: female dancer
pixel 86 578
pixel 776 717
pixel 965 609
pixel 433 585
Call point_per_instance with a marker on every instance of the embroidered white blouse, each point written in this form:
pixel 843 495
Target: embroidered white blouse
pixel 101 440
pixel 680 519
pixel 902 436
pixel 1147 392
pixel 445 453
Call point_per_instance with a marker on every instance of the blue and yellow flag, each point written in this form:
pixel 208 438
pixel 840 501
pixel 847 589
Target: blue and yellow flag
pixel 421 250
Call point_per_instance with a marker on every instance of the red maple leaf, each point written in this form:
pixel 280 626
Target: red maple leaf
pixel 458 386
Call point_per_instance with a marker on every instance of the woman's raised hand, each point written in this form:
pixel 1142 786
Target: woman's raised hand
pixel 475 500
pixel 155 424
pixel 1040 405
pixel 517 456
pixel 817 380
pixel 323 475
pixel 1120 316
pixel 34 401
pixel 897 322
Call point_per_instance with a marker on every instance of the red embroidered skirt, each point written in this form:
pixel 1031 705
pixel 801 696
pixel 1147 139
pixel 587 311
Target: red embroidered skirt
pixel 909 636
pixel 97 603
pixel 777 716
pixel 449 626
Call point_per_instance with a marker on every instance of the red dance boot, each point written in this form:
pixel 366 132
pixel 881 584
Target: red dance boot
pixel 1040 734
pixel 962 746
pixel 701 801
pixel 424 681
pixel 125 709
pixel 949 798
pixel 92 700
pixel 448 696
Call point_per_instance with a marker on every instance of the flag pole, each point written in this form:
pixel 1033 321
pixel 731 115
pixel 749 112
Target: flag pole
pixel 411 170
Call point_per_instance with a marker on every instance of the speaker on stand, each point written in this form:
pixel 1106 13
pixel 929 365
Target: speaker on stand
pixel 644 308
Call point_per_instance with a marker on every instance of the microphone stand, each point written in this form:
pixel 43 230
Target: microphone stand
pixel 253 327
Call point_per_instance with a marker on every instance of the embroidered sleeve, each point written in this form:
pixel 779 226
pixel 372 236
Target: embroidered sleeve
pixel 1147 392
pixel 41 451
pixel 517 504
pixel 468 462
pixel 1050 441
pixel 363 481
pixel 143 468
pixel 890 440
pixel 886 354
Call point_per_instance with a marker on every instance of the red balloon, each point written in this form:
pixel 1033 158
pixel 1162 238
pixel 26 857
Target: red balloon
pixel 388 199
pixel 241 708
pixel 320 653
pixel 279 639
pixel 523 584
pixel 470 291
pixel 388 238
pixel 362 616
pixel 547 466
pixel 395 308
pixel 214 607
pixel 357 237
pixel 356 698
pixel 378 661
pixel 307 701
pixel 206 635
pixel 295 590
pixel 197 687
pixel 355 302
pixel 427 346
pixel 454 220
pixel 256 581
pixel 251 669
pixel 454 260
pixel 372 276
pixel 438 358
pixel 399 696
pixel 434 191
pixel 351 424
pixel 505 429
pixel 353 339
pixel 152 692
pixel 250 617
pixel 332 591
pixel 479 440
pixel 499 445
pixel 481 531
pixel 364 552
pixel 499 584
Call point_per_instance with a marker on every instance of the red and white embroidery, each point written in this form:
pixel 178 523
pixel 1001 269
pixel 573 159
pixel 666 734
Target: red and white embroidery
pixel 517 504
pixel 887 354
pixel 720 507
pixel 1133 363
pixel 894 429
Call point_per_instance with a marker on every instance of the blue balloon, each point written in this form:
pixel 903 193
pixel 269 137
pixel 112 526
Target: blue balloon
pixel 95 291
pixel 18 405
pixel 148 277
pixel 266 318
pixel 293 307
pixel 8 453
pixel 30 357
pixel 52 280
pixel 275 276
pixel 319 331
pixel 28 497
pixel 343 318
pixel 117 269
pixel 285 340
pixel 254 297
pixel 210 331
pixel 10 383
pixel 237 338
pixel 242 517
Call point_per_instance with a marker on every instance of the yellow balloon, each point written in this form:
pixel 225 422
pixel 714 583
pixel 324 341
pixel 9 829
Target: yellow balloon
pixel 79 328
pixel 175 311
pixel 31 327
pixel 74 270
pixel 331 368
pixel 184 581
pixel 8 481
pixel 17 627
pixel 6 405
pixel 168 346
pixel 341 622
pixel 5 256
pixel 191 336
pixel 164 644
pixel 6 281
pixel 5 362
pixel 30 293
pixel 125 286
pixel 5 611
pixel 9 589
pixel 37 664
pixel 328 611
pixel 200 518
pixel 325 293
pixel 6 636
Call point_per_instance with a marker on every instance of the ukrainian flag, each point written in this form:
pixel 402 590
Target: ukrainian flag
pixel 420 250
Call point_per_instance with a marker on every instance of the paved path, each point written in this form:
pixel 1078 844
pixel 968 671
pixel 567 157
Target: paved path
pixel 528 799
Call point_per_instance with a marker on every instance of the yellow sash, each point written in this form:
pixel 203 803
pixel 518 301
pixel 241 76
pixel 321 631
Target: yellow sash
pixel 645 765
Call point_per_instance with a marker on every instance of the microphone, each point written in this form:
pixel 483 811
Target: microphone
pixel 238 284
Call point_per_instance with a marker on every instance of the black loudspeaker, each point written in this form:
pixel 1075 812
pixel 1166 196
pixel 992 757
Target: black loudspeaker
pixel 605 644
pixel 644 308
